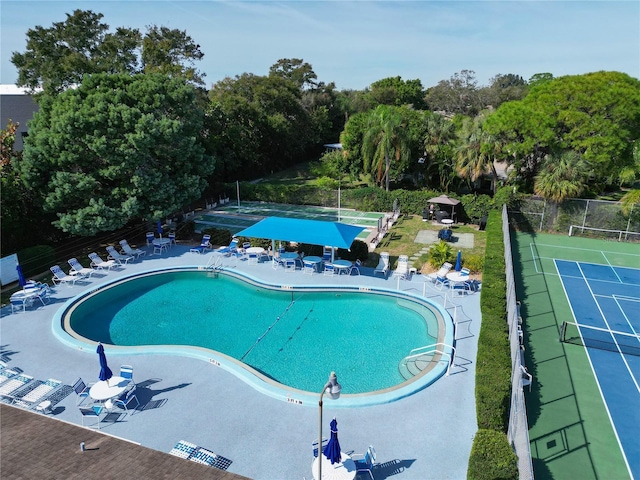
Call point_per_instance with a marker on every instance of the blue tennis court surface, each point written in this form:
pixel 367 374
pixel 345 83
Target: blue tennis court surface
pixel 608 297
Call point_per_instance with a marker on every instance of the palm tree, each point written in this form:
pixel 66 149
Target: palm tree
pixel 438 138
pixel 562 177
pixel 476 154
pixel 386 137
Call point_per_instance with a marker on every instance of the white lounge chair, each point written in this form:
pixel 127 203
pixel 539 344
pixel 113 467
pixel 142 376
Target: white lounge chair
pixel 383 264
pixel 132 252
pixel 60 277
pixel 38 394
pixel 205 245
pixel 229 250
pixel 402 270
pixel 78 269
pixel 98 263
pixel 14 384
pixel 117 256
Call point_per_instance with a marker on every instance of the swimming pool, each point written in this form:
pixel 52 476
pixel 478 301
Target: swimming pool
pixel 281 340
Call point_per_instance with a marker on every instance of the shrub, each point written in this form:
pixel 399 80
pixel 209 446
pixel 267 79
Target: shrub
pixel 358 251
pixel 492 458
pixel 493 371
pixel 219 236
pixel 37 259
pixel 474 262
pixel 439 253
pixel 475 207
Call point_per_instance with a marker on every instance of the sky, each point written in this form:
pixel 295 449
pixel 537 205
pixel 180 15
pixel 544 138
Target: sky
pixel 355 43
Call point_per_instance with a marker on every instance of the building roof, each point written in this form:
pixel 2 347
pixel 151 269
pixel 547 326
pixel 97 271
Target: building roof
pixel 37 446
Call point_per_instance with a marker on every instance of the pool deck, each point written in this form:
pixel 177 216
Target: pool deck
pixel 427 435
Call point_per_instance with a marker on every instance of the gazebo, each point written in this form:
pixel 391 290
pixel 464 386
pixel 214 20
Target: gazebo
pixel 445 200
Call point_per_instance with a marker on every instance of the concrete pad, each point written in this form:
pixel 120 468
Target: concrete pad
pixel 460 240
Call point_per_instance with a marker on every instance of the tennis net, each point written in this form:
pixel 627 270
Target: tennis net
pixel 603 233
pixel 600 338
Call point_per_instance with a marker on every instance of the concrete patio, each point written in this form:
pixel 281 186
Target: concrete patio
pixel 427 435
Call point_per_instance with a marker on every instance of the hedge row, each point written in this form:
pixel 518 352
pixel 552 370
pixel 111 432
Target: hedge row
pixel 491 455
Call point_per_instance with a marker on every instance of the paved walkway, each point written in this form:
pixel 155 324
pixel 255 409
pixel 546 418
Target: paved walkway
pixel 427 435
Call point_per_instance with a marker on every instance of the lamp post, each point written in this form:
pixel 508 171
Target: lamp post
pixel 333 389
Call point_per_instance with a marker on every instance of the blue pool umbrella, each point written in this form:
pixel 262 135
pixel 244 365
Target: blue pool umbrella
pixel 459 262
pixel 21 280
pixel 105 371
pixel 332 449
pixel 160 228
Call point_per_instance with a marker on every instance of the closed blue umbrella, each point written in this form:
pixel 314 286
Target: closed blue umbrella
pixel 105 371
pixel 332 449
pixel 459 261
pixel 21 280
pixel 160 228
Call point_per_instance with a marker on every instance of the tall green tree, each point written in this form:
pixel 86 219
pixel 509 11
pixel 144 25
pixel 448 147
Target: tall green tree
pixel 504 88
pixel 20 217
pixel 266 126
pixel 115 149
pixel 597 115
pixel 458 95
pixel 386 139
pixel 398 92
pixel 172 52
pixel 438 143
pixel 476 152
pixel 58 57
pixel 296 70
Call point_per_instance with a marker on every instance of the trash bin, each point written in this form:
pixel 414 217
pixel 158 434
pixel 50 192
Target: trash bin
pixel 483 223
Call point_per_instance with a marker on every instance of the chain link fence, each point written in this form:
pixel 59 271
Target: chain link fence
pixel 518 431
pixel 593 218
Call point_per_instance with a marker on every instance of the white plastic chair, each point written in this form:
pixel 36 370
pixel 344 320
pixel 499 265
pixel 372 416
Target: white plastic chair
pixel 355 267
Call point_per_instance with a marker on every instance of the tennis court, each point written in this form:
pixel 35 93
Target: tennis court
pixel 584 410
pixel 236 218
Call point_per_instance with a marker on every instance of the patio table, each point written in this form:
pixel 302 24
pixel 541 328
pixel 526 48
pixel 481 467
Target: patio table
pixel 342 266
pixel 160 244
pixel 314 261
pixel 345 470
pixel 106 389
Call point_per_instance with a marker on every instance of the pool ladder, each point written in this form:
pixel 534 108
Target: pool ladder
pixel 421 357
pixel 214 263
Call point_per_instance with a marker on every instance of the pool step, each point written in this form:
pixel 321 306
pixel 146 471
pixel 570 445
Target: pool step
pixel 411 368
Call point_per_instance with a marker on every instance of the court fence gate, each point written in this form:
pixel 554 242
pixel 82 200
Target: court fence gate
pixel 518 431
pixel 601 218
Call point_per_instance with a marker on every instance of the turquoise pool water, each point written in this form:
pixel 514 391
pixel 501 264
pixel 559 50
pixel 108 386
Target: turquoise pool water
pixel 293 337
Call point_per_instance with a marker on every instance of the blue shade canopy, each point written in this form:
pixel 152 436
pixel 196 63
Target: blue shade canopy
pixel 332 450
pixel 105 371
pixel 314 232
pixel 21 280
pixel 459 262
pixel 160 227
